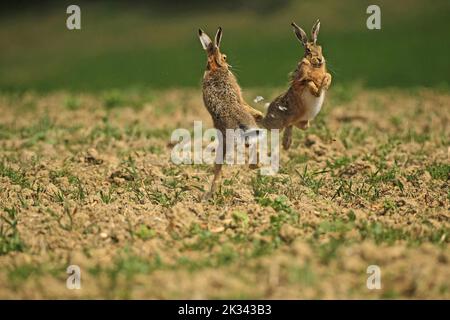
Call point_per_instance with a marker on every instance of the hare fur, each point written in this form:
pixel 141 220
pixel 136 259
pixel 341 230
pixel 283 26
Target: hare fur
pixel 304 98
pixel 222 97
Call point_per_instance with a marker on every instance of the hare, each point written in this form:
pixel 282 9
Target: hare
pixel 223 99
pixel 303 100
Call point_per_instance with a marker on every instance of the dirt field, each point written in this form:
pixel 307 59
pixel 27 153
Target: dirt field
pixel 87 180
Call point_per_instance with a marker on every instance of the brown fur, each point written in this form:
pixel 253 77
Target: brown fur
pixel 222 96
pixel 311 74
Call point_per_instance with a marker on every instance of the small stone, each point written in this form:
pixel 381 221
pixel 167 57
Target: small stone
pixel 92 152
pixel 288 232
pixel 217 229
pixel 92 157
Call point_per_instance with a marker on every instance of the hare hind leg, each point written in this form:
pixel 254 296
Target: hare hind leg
pixel 217 177
pixel 287 137
pixel 254 165
pixel 217 172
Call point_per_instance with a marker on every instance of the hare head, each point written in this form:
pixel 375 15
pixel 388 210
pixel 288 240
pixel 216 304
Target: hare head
pixel 216 59
pixel 313 52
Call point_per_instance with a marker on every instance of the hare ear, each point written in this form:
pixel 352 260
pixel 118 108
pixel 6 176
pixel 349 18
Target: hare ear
pixel 218 37
pixel 204 39
pixel 301 35
pixel 315 31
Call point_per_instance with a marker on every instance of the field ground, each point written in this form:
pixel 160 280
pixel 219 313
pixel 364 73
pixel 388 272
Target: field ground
pixel 87 180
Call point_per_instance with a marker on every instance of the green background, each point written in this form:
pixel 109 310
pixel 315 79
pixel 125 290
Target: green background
pixel 155 44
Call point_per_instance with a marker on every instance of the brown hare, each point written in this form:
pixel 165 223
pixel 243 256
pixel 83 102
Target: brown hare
pixel 222 97
pixel 303 100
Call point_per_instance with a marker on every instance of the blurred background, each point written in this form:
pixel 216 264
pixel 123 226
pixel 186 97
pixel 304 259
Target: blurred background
pixel 155 44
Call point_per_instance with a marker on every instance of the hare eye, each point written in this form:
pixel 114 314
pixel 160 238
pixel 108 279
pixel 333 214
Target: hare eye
pixel 224 57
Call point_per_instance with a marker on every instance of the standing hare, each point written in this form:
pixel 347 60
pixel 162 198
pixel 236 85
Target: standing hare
pixel 223 98
pixel 303 100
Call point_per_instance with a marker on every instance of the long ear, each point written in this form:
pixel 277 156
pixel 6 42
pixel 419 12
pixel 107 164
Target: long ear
pixel 315 31
pixel 218 37
pixel 301 35
pixel 204 39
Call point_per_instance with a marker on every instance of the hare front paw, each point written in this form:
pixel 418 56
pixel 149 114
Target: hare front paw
pixel 305 61
pixel 258 116
pixel 326 81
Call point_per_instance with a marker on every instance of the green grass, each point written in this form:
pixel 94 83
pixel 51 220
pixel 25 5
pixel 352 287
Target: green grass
pixel 16 176
pixel 312 179
pixel 143 232
pixel 440 171
pixel 9 234
pixel 107 197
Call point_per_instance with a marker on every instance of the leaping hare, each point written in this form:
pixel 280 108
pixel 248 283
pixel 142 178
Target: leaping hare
pixel 303 100
pixel 223 98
